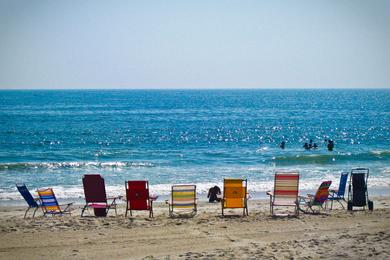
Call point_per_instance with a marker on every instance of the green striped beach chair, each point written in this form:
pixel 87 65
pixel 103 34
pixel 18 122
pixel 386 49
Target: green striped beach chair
pixel 183 200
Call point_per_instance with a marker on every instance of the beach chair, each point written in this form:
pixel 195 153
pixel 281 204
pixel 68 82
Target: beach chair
pixel 338 195
pixel 319 200
pixel 357 189
pixel 285 194
pixel 183 200
pixel 49 203
pixel 31 201
pixel 137 197
pixel 235 195
pixel 95 196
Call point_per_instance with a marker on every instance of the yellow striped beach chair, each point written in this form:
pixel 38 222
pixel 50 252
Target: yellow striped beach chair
pixel 49 203
pixel 235 195
pixel 183 200
pixel 285 194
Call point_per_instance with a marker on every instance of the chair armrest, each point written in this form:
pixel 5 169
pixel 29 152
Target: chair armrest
pixel 167 202
pixel 310 195
pixel 66 204
pixel 114 198
pixel 270 193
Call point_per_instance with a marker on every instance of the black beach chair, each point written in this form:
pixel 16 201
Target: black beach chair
pixel 357 189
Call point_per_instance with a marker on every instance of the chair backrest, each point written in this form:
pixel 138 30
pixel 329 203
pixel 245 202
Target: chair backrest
pixel 342 184
pixel 286 186
pixel 94 188
pixel 322 193
pixel 359 186
pixel 49 201
pixel 27 195
pixel 137 194
pixel 234 193
pixel 183 196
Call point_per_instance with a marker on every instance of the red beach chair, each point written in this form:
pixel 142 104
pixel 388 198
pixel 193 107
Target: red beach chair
pixel 137 197
pixel 95 195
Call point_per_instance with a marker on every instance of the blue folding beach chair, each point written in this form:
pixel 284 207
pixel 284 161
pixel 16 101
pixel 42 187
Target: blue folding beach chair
pixel 338 195
pixel 32 203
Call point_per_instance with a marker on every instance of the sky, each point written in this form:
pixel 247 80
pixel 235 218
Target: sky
pixel 194 44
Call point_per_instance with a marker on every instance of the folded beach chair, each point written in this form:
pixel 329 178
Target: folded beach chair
pixel 32 203
pixel 338 195
pixel 235 195
pixel 183 200
pixel 49 203
pixel 137 197
pixel 95 195
pixel 319 200
pixel 285 194
pixel 357 189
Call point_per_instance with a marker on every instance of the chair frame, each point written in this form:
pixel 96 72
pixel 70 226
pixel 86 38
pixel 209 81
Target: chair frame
pixel 312 200
pixel 171 204
pixel 245 198
pixel 99 204
pixel 339 194
pixel 30 200
pixel 368 202
pixel 128 200
pixel 274 196
pixel 66 210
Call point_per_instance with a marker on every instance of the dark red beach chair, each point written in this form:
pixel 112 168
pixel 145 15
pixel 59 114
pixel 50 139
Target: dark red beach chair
pixel 137 197
pixel 95 195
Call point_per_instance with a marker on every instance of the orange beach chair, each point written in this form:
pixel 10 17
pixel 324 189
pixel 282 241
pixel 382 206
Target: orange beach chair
pixel 235 195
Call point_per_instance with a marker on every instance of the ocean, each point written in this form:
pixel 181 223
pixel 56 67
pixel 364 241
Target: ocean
pixel 51 138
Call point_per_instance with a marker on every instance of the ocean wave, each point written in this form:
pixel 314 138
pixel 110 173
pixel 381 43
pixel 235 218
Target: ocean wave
pixel 73 165
pixel 331 158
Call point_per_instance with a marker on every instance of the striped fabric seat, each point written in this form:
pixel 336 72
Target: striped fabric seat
pixel 183 198
pixel 319 199
pixel 235 195
pixel 286 187
pixel 50 204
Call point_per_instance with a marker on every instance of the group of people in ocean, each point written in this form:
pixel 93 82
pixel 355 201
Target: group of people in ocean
pixel 311 145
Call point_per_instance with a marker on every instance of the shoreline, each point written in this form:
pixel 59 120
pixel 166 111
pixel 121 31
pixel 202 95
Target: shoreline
pixel 357 234
pixel 202 197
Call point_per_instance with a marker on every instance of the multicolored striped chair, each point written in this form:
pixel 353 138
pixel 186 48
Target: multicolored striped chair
pixel 285 194
pixel 235 195
pixel 183 200
pixel 137 197
pixel 320 199
pixel 50 204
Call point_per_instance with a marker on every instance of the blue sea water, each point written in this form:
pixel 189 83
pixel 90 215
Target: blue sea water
pixel 51 138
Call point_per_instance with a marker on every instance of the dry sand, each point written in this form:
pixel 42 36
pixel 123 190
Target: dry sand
pixel 208 235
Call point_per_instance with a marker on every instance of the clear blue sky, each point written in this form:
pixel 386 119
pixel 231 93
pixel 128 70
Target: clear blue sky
pixel 194 44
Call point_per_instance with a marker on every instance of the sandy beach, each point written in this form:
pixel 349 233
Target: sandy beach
pixel 208 235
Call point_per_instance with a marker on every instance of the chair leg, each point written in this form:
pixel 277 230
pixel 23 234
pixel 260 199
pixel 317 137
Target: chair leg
pixel 25 213
pixel 35 212
pixel 82 211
